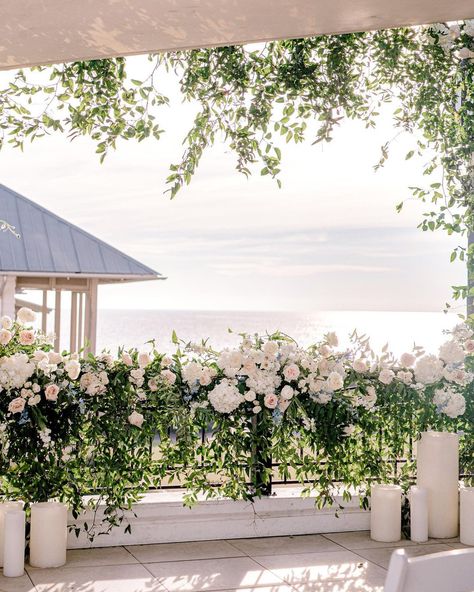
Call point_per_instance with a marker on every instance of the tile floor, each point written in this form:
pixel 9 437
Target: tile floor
pixel 337 562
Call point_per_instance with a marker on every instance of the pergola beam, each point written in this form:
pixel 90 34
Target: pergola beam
pixel 34 33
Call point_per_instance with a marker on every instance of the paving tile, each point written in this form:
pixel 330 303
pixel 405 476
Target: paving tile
pixel 361 540
pixel 184 551
pixel 96 557
pixel 117 578
pixel 382 556
pixel 214 574
pixel 313 543
pixel 336 570
pixel 460 546
pixel 21 584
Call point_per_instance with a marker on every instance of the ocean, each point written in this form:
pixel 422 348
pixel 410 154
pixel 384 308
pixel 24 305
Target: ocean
pixel 133 328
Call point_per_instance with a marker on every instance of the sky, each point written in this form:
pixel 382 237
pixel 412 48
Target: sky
pixel 330 239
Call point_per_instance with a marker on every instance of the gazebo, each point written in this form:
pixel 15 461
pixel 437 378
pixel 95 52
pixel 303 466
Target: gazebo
pixel 53 255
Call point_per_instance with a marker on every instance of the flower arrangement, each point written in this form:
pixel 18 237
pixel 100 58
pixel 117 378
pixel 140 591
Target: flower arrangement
pixel 223 423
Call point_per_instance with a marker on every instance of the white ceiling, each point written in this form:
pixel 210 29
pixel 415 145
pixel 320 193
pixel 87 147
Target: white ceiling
pixel 45 31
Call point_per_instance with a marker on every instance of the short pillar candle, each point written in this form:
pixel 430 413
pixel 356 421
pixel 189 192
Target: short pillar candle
pixel 438 472
pixel 48 537
pixel 467 516
pixel 4 507
pixel 14 549
pixel 418 514
pixel 386 513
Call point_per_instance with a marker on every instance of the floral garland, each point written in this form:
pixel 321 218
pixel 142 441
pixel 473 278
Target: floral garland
pixel 223 423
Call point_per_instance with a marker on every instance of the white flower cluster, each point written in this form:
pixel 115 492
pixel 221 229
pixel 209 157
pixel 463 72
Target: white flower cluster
pixel 94 383
pixel 452 37
pixel 225 397
pixel 449 402
pixel 15 370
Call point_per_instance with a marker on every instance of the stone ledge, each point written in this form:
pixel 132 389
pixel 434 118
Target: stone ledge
pixel 162 518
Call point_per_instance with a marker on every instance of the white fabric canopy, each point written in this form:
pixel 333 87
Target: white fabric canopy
pixel 40 32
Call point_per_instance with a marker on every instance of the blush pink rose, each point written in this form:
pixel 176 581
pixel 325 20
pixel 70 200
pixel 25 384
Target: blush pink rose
pixel 291 372
pixel 270 401
pixel 27 337
pixel 16 405
pixel 136 419
pixel 51 392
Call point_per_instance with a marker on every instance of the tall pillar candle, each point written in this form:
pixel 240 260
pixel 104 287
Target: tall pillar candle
pixel 467 516
pixel 4 507
pixel 419 514
pixel 14 549
pixel 48 536
pixel 438 472
pixel 386 513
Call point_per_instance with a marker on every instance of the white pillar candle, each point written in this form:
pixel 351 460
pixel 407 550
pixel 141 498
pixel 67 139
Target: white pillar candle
pixel 467 516
pixel 438 472
pixel 419 514
pixel 14 549
pixel 4 507
pixel 386 513
pixel 48 536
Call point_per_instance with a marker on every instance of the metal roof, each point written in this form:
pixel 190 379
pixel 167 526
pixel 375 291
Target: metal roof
pixel 51 246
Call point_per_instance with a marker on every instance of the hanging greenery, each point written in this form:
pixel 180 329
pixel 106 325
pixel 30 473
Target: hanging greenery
pixel 256 96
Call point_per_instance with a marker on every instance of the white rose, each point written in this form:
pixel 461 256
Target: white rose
pixel 143 359
pixel 169 376
pixel 25 315
pixel 386 376
pixel 335 381
pixel 5 336
pixel 250 396
pixel 257 409
pixel 6 322
pixel 73 368
pixel 407 360
pixel 54 358
pixel 360 365
pixel 270 348
pixel 34 400
pixel 127 359
pixel 287 392
pixel 331 339
pixel 136 419
pixel 166 361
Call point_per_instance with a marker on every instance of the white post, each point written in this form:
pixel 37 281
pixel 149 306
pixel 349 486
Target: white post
pixel 57 320
pixel 7 301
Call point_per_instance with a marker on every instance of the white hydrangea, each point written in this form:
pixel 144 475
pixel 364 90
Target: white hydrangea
pixel 428 369
pixel 449 402
pixel 469 27
pixel 15 371
pixel 225 397
pixel 451 352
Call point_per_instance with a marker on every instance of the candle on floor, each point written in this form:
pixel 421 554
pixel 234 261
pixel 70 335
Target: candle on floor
pixel 438 472
pixel 14 548
pixel 4 507
pixel 48 537
pixel 467 516
pixel 386 513
pixel 419 514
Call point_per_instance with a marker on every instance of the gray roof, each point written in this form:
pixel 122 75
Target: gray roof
pixel 52 246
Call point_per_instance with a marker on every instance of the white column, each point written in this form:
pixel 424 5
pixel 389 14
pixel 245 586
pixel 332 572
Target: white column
pixel 57 319
pixel 7 302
